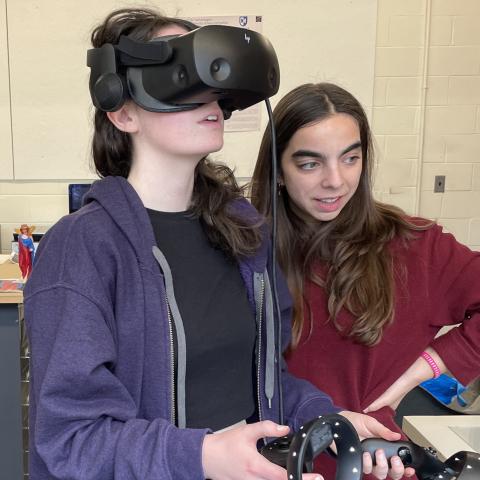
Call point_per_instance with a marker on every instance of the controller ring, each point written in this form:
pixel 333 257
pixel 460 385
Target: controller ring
pixel 315 436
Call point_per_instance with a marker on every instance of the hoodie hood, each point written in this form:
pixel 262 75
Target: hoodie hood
pixel 121 202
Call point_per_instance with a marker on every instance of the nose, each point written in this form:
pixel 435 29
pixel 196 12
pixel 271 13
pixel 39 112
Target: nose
pixel 332 176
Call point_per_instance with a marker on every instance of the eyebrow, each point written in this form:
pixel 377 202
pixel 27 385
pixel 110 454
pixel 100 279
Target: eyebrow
pixel 313 154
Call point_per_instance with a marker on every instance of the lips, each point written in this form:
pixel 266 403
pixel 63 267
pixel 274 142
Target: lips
pixel 211 110
pixel 212 117
pixel 328 200
pixel 328 204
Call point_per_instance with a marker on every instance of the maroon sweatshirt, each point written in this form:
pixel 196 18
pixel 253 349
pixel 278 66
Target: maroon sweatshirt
pixel 440 286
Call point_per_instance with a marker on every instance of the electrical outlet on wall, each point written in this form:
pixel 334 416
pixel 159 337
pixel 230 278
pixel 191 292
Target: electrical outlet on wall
pixel 439 185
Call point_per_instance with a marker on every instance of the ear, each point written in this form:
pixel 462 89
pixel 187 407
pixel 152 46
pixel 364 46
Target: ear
pixel 125 118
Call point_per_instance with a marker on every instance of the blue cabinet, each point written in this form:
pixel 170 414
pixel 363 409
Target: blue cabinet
pixel 13 391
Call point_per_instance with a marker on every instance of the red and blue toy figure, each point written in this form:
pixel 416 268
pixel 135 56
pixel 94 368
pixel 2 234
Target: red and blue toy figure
pixel 26 249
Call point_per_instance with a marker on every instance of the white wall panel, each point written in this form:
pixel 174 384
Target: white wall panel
pixel 316 40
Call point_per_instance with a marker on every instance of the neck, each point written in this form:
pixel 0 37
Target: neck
pixel 163 184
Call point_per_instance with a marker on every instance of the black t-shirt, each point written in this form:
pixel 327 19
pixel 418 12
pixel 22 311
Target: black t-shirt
pixel 219 324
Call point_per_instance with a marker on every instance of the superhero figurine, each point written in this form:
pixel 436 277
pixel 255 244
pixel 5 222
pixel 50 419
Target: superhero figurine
pixel 26 249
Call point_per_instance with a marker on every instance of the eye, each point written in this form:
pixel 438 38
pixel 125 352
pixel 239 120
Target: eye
pixel 352 159
pixel 308 165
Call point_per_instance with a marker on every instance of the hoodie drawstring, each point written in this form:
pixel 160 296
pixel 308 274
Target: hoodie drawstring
pixel 270 343
pixel 180 333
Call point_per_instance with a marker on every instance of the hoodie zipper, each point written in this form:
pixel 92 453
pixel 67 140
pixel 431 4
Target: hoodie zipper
pixel 259 358
pixel 172 360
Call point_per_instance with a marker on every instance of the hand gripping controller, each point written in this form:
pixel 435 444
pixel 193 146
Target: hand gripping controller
pixel 461 466
pixel 296 452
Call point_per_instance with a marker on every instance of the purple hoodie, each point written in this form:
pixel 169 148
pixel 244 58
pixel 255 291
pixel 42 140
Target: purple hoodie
pixel 101 386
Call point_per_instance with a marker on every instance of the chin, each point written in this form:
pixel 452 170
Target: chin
pixel 327 216
pixel 213 148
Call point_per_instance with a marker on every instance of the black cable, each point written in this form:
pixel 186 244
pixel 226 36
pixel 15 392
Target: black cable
pixel 273 203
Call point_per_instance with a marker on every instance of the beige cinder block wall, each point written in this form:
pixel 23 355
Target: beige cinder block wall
pixel 45 75
pixel 427 110
pixel 426 114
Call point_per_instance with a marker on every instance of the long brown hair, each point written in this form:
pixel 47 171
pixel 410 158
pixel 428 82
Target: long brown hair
pixel 215 185
pixel 351 251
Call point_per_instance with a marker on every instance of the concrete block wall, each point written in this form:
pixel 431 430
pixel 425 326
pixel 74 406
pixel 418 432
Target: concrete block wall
pixel 397 99
pixel 453 111
pixel 420 132
pixel 36 203
pixel 426 115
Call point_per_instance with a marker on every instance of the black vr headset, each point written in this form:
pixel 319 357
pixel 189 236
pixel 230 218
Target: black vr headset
pixel 234 66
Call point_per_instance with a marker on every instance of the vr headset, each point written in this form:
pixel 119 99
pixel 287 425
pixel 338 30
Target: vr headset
pixel 234 66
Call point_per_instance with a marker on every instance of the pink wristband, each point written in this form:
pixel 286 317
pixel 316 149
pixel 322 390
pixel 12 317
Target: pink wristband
pixel 436 371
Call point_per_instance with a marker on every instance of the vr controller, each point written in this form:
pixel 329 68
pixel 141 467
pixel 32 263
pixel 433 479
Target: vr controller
pixel 296 452
pixel 427 465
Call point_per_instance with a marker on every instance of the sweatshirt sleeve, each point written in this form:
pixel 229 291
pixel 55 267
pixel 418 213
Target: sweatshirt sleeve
pixel 86 423
pixel 455 298
pixel 302 400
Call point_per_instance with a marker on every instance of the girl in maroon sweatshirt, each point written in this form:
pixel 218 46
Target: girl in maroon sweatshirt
pixel 371 285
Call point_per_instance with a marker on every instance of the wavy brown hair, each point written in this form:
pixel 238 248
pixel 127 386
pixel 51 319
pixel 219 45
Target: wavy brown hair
pixel 215 185
pixel 351 251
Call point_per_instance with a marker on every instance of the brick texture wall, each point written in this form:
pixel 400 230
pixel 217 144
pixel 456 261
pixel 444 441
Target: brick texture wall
pixel 426 116
pixel 36 203
pixel 426 120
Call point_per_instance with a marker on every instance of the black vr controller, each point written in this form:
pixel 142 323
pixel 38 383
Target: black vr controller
pixel 460 466
pixel 296 452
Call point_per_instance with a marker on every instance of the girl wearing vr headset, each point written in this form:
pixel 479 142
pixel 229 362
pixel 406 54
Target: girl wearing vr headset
pixel 371 285
pixel 147 310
